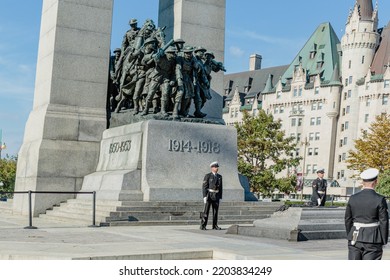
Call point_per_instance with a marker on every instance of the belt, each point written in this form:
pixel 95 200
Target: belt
pixel 214 191
pixel 357 227
pixel 321 192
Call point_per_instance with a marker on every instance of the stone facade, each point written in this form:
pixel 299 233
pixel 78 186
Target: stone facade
pixel 326 96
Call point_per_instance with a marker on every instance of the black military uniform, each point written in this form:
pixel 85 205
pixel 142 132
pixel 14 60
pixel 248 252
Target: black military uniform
pixel 319 185
pixel 212 194
pixel 367 221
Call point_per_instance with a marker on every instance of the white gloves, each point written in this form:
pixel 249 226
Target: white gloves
pixel 205 199
pixel 319 201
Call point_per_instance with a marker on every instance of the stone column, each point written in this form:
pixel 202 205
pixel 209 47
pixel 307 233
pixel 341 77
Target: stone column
pixel 199 23
pixel 64 129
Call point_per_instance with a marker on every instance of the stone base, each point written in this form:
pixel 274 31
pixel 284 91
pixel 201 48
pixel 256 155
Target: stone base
pixel 164 161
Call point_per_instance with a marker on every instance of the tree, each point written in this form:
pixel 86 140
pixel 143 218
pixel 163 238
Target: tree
pixel 372 150
pixel 383 186
pixel 8 173
pixel 263 152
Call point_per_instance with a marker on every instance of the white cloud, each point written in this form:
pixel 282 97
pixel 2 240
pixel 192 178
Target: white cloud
pixel 236 51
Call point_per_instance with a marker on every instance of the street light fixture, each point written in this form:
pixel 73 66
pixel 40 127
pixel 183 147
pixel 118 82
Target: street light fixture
pixel 2 147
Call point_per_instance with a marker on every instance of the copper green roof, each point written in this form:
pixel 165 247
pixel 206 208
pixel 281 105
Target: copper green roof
pixel 324 44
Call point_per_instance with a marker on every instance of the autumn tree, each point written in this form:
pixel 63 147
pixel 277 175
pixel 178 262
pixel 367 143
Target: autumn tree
pixel 8 173
pixel 372 150
pixel 263 152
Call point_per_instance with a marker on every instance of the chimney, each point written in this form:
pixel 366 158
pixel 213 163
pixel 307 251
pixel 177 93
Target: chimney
pixel 255 62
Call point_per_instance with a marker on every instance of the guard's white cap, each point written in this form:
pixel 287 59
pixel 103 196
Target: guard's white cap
pixel 320 170
pixel 214 164
pixel 369 174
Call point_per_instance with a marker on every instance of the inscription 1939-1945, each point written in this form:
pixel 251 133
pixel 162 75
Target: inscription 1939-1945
pixel 193 146
pixel 119 147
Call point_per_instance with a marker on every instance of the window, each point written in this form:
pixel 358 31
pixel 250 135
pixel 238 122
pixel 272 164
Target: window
pixel 316 151
pixel 312 121
pixel 298 137
pixel 297 152
pixel 236 112
pixel 308 169
pixel 314 106
pixel 347 109
pixel 278 95
pixel 292 135
pixel 385 99
pixel 350 80
pixel 254 112
pixel 386 84
pixel 311 136
pixel 341 142
pixel 231 112
pixel 345 140
pixel 342 174
pixel 363 59
pixel 343 111
pixel 300 108
pixel 349 93
pixel 276 110
pixel 295 109
pixel 368 101
pixel 317 136
pixel 316 90
pixel 339 158
pixel 281 109
pixel 320 105
pixel 366 118
pixel 346 82
pixel 315 168
pixel 346 125
pixel 345 95
pixel 349 64
pixel 318 121
pixel 310 152
pixel 293 122
pixel 344 156
pixel 342 127
pixel 367 86
pixel 295 92
pixel 300 121
pixel 300 91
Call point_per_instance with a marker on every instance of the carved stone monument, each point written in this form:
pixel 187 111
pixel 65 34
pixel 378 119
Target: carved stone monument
pixel 66 146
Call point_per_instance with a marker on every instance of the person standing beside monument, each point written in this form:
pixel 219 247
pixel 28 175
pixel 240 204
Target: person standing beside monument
pixel 367 220
pixel 212 195
pixel 319 185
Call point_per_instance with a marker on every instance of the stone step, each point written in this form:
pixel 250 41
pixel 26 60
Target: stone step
pixel 166 223
pixel 321 226
pixel 109 212
pixel 323 234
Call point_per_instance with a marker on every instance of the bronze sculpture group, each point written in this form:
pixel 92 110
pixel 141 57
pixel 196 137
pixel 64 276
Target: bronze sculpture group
pixel 151 76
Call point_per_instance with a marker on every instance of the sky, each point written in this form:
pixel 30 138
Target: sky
pixel 275 29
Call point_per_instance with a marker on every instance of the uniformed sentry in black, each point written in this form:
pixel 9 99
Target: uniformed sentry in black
pixel 212 181
pixel 367 207
pixel 319 191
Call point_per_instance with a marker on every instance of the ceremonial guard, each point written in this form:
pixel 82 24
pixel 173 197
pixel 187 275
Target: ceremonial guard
pixel 367 220
pixel 212 195
pixel 319 185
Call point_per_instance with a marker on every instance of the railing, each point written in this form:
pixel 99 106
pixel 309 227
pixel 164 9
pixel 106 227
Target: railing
pixel 30 226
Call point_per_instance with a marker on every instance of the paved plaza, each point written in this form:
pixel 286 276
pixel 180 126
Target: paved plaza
pixel 59 241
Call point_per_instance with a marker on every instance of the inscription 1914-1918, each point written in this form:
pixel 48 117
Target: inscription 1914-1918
pixel 119 147
pixel 195 146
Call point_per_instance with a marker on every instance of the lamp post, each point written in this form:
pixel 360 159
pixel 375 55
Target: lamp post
pixel 305 144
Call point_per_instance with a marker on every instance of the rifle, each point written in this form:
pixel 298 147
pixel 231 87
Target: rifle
pixel 217 65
